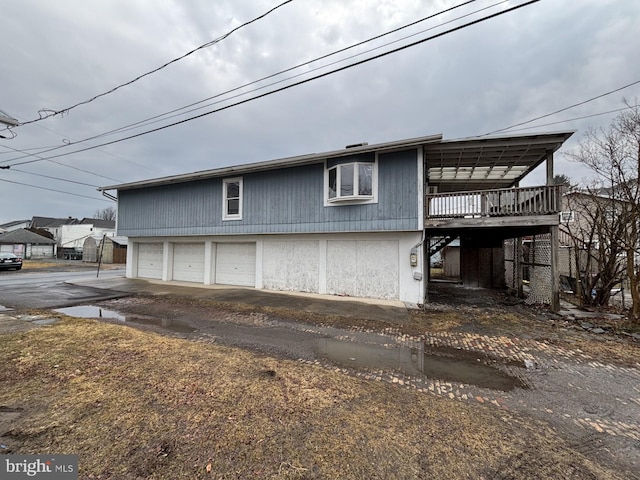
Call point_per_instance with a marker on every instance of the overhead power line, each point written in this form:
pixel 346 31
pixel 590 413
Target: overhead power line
pixel 573 119
pixel 184 111
pixel 53 178
pixel 301 82
pixel 168 115
pixel 563 109
pixel 51 113
pixel 53 161
pixel 53 190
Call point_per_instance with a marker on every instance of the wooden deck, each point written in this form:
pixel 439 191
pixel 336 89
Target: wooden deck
pixel 533 206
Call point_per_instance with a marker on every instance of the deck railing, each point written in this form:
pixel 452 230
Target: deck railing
pixel 504 202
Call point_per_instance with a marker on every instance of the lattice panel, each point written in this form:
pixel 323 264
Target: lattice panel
pixel 540 284
pixel 509 264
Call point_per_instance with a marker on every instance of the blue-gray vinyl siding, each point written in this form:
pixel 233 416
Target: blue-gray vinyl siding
pixel 288 200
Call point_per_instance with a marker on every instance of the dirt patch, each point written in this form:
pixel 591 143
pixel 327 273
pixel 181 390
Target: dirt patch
pixel 134 404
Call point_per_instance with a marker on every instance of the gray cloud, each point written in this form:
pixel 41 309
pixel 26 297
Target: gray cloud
pixel 505 71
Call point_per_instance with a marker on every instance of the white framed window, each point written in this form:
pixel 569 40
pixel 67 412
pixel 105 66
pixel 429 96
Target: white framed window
pixel 232 198
pixel 354 182
pixel 567 216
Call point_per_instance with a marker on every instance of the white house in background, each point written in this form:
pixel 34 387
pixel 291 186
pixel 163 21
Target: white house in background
pixel 70 233
pixel 359 221
pixel 15 225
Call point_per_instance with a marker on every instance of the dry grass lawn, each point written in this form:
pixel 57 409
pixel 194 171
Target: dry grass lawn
pixel 135 405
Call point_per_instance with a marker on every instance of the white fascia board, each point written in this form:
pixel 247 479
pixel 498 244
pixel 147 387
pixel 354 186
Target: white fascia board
pixel 275 164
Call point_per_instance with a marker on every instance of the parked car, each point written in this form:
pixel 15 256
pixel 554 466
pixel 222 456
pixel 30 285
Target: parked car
pixel 9 261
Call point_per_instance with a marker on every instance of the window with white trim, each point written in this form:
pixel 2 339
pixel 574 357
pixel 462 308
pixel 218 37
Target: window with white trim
pixel 354 182
pixel 567 216
pixel 232 199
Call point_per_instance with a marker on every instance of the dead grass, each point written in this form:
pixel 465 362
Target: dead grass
pixel 32 265
pixel 134 404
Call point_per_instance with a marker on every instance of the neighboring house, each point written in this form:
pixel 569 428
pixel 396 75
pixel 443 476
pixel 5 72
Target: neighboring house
pixel 591 220
pixel 71 233
pixel 15 225
pixel 355 222
pixel 27 244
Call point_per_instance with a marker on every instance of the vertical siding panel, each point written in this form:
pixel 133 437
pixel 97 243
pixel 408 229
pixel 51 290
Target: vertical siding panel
pixel 280 201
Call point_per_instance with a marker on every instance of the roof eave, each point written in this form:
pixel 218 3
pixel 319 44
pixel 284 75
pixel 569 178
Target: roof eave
pixel 274 164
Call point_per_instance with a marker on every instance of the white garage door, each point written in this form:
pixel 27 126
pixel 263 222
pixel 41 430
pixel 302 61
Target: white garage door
pixel 363 268
pixel 236 264
pixel 41 251
pixel 150 260
pixel 188 262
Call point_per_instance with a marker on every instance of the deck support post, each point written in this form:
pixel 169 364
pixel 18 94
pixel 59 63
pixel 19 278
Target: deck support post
pixel 555 277
pixel 517 267
pixel 549 168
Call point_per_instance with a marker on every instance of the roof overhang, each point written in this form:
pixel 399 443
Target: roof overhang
pixel 481 163
pixel 279 163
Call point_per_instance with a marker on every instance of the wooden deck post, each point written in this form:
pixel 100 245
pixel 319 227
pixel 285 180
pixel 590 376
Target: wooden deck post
pixel 549 168
pixel 555 277
pixel 517 266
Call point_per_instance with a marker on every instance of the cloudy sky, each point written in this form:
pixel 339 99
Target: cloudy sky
pixel 478 79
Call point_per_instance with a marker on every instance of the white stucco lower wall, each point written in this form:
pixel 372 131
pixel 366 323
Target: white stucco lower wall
pixel 373 265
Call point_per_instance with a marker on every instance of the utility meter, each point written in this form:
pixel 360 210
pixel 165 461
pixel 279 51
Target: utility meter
pixel 413 258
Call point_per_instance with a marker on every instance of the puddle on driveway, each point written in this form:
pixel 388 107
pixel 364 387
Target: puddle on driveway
pixel 91 311
pixel 416 362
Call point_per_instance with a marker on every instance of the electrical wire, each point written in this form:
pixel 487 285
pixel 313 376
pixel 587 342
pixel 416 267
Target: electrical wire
pixel 54 178
pixel 168 115
pixel 301 82
pixel 53 190
pixel 206 45
pixel 573 119
pixel 57 163
pixel 299 65
pixel 563 109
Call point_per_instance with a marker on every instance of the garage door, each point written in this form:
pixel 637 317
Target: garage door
pixel 150 260
pixel 41 251
pixel 363 268
pixel 291 265
pixel 188 262
pixel 236 264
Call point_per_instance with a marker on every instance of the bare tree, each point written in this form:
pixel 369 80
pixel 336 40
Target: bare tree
pixel 108 213
pixel 595 230
pixel 614 155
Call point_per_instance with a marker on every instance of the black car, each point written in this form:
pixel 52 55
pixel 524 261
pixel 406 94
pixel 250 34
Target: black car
pixel 9 261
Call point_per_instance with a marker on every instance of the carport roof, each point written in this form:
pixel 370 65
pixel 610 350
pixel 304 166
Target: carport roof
pixel 481 163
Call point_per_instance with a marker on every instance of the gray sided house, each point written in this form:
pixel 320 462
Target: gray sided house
pixel 27 244
pixel 361 221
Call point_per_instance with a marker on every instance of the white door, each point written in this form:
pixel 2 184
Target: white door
pixel 188 262
pixel 236 264
pixel 150 260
